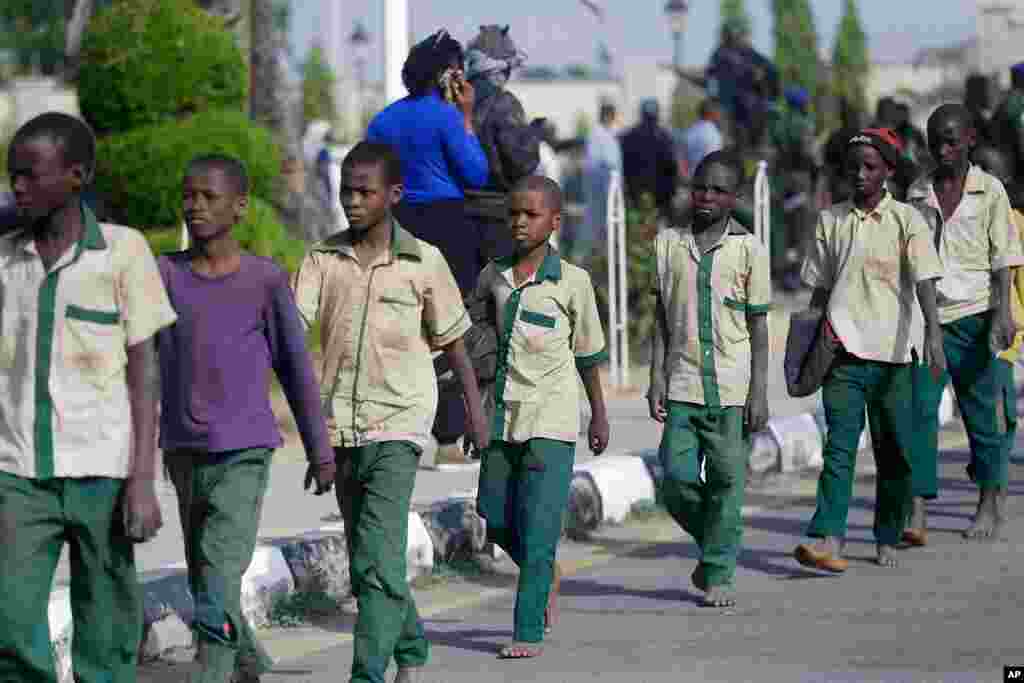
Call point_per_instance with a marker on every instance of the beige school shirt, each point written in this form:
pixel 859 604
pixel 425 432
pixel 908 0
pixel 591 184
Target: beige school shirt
pixel 977 240
pixel 64 335
pixel 707 296
pixel 871 262
pixel 379 323
pixel 548 330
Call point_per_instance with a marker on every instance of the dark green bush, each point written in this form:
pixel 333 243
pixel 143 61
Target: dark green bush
pixel 147 62
pixel 139 173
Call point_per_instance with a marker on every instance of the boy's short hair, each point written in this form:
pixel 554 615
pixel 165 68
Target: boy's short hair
pixel 377 154
pixel 951 111
pixel 231 167
pixel 546 186
pixel 74 137
pixel 723 158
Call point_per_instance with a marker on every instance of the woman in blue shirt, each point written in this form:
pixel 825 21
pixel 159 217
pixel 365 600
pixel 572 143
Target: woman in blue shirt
pixel 432 130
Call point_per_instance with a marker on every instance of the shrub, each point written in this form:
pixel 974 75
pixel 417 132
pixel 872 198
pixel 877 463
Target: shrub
pixel 139 173
pixel 147 62
pixel 261 233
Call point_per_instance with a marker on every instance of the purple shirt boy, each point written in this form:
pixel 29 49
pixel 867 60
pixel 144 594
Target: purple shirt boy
pixel 216 361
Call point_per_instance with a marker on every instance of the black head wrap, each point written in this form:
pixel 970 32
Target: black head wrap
pixel 428 60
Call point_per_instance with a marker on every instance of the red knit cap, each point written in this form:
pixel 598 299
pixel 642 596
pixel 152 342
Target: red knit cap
pixel 884 140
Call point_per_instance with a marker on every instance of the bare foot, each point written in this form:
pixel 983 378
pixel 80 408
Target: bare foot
pixel 988 518
pixel 551 611
pixel 720 596
pixel 887 556
pixel 824 554
pixel 407 675
pixel 517 650
pixel 916 533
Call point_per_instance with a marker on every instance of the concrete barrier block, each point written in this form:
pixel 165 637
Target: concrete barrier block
pixel 267 578
pixel 764 453
pixel 318 561
pixel 619 481
pixel 420 549
pixel 800 442
pixel 59 616
pixel 455 528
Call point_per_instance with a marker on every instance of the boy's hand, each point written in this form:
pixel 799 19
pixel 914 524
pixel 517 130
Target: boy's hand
pixel 934 353
pixel 323 474
pixel 598 434
pixel 656 402
pixel 478 433
pixel 755 414
pixel 1001 337
pixel 141 509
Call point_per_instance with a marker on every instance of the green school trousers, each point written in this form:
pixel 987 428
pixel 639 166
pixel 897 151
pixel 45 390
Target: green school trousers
pixel 220 498
pixel 374 491
pixel 523 494
pixel 37 516
pixel 985 394
pixel 886 390
pixel 710 510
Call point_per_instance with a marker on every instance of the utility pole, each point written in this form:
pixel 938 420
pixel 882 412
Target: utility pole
pixel 396 47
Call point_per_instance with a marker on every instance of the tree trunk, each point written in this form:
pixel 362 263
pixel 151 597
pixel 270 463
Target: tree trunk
pixel 78 13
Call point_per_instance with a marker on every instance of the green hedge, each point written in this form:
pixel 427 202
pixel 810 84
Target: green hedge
pixel 146 62
pixel 261 233
pixel 139 173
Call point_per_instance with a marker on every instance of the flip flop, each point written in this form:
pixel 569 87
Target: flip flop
pixel 520 651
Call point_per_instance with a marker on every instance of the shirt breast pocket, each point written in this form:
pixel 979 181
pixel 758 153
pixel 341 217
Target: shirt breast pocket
pixel 398 321
pixel 536 329
pixel 729 302
pixel 93 344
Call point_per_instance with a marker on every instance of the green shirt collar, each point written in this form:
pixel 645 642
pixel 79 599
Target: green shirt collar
pixel 403 243
pixel 550 267
pixel 92 237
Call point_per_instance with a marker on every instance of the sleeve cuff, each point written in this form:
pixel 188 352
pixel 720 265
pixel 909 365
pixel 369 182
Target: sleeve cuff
pixel 453 333
pixel 1007 262
pixel 136 334
pixel 594 359
pixel 754 309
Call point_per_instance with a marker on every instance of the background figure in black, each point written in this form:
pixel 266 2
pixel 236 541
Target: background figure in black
pixel 512 145
pixel 890 114
pixel 915 145
pixel 837 179
pixel 648 161
pixel 978 100
pixel 1007 124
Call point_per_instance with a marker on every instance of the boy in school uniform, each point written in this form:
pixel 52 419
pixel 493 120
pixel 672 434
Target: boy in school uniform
pixel 385 301
pixel 548 332
pixel 709 370
pixel 80 302
pixel 237 322
pixel 979 246
pixel 873 268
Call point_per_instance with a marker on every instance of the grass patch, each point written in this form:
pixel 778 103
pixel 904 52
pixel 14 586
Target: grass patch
pixel 444 572
pixel 299 609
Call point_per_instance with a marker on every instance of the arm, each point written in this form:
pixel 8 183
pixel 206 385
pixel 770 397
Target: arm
pixel 656 398
pixel 934 354
pixel 599 429
pixel 142 517
pixel 462 149
pixel 757 402
pixel 307 283
pixel 294 369
pixel 1002 321
pixel 1005 252
pixel 459 362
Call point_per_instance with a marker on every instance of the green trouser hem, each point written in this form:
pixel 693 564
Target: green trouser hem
pixel 523 494
pixel 712 510
pixel 220 498
pixel 374 493
pixel 985 394
pixel 36 518
pixel 886 390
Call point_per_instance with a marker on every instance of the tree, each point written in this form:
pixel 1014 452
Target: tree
pixel 734 11
pixel 33 31
pixel 273 102
pixel 850 58
pixel 796 44
pixel 318 81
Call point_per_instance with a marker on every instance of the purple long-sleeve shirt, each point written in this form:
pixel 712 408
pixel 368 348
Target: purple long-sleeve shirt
pixel 216 360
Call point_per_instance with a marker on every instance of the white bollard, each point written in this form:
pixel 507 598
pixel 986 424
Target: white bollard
pixel 800 442
pixel 618 301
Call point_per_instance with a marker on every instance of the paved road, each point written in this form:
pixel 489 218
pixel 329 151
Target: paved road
pixel 951 613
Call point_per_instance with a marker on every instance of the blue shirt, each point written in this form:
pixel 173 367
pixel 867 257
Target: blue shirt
pixel 439 158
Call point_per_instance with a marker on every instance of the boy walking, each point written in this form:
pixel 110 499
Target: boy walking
pixel 548 331
pixel 237 322
pixel 873 267
pixel 79 304
pixel 979 247
pixel 385 301
pixel 708 370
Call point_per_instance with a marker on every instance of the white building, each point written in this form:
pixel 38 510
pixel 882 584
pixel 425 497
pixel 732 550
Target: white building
pixel 1000 37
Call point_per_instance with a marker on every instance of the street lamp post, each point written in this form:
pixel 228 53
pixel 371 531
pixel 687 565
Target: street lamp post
pixel 676 11
pixel 360 40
